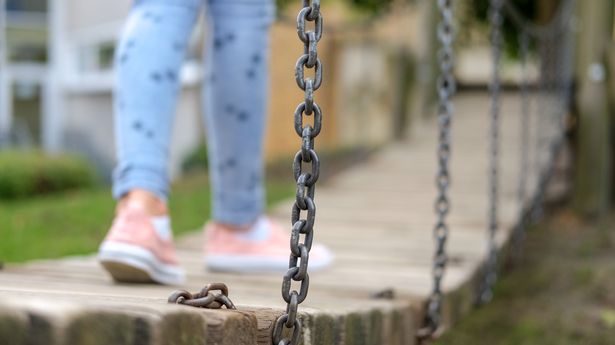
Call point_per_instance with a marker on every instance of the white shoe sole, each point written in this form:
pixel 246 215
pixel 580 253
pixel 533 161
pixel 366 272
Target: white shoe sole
pixel 132 264
pixel 255 264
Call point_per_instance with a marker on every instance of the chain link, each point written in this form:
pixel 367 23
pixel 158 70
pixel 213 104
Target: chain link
pixel 554 93
pixel 204 298
pixel 496 19
pixel 520 229
pixel 303 228
pixel 543 142
pixel 446 90
pixel 557 81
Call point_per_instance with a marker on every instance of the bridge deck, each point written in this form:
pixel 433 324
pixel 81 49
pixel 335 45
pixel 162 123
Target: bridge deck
pixel 377 217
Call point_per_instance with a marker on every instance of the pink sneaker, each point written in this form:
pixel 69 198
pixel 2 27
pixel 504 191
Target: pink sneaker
pixel 133 252
pixel 233 251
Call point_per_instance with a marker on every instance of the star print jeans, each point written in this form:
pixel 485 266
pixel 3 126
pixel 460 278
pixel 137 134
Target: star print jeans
pixel 235 90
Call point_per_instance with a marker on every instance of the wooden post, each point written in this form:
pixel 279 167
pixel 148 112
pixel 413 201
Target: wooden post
pixel 594 151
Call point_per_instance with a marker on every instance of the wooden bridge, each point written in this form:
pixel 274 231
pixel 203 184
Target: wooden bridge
pixel 377 217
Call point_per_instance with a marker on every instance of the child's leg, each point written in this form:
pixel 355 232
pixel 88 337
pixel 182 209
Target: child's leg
pixel 235 105
pixel 235 96
pixel 148 61
pixel 139 247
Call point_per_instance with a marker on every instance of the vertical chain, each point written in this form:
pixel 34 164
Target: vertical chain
pixel 536 210
pixel 446 90
pixel 543 155
pixel 519 234
pixel 302 231
pixel 555 63
pixel 496 19
pixel 566 56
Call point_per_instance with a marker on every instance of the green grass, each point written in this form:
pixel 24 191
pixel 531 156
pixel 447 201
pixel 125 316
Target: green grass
pixel 75 223
pixel 561 293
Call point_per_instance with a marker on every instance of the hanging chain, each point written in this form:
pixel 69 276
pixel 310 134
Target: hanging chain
pixel 543 156
pixel 557 79
pixel 520 229
pixel 446 90
pixel 496 19
pixel 306 181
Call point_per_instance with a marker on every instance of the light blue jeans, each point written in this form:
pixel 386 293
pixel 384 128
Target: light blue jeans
pixel 235 90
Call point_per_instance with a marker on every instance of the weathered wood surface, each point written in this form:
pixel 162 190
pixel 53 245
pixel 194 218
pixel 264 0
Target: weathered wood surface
pixel 377 217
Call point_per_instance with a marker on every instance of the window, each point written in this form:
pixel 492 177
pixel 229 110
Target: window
pixel 26 31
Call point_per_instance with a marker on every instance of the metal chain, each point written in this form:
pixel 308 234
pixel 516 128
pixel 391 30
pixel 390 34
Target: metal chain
pixel 538 142
pixel 204 298
pixel 550 104
pixel 446 89
pixel 543 155
pixel 306 180
pixel 519 234
pixel 558 87
pixel 496 19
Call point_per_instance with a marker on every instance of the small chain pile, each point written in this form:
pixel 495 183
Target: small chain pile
pixel 204 298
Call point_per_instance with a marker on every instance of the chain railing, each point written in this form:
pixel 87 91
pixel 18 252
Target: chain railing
pixel 554 103
pixel 446 89
pixel 496 19
pixel 524 135
pixel 554 93
pixel 306 180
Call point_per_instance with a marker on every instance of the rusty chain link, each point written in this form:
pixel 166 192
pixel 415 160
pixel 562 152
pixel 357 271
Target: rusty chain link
pixel 204 298
pixel 446 89
pixel 303 228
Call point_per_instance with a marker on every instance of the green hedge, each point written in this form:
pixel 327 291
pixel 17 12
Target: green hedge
pixel 30 173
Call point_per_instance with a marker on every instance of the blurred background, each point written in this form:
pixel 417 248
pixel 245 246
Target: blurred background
pixel 57 75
